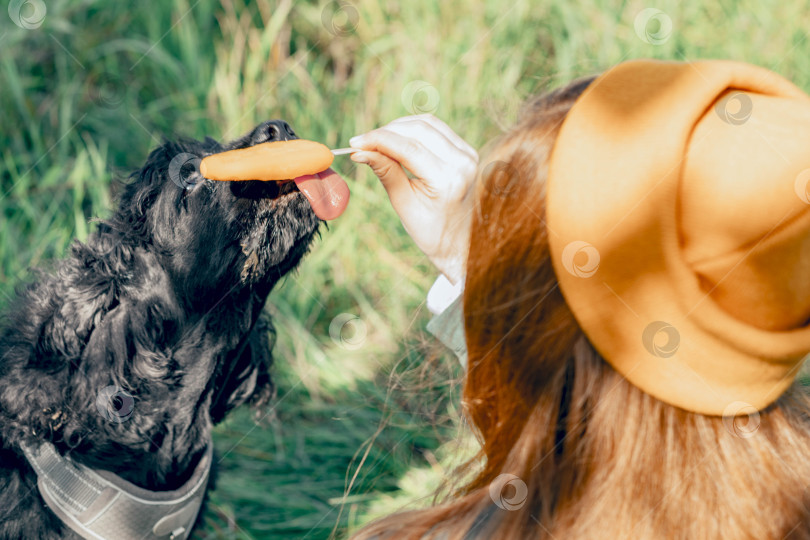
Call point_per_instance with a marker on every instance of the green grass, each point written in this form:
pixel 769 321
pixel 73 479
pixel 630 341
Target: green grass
pixel 86 95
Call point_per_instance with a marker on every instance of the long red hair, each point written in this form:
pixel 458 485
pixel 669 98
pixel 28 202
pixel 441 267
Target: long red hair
pixel 588 455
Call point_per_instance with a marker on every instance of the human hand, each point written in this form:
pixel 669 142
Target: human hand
pixel 435 204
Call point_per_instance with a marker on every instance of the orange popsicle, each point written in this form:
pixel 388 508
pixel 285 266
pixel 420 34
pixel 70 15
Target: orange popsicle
pixel 279 160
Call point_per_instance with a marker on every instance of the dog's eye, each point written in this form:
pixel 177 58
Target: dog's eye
pixel 191 182
pixel 190 177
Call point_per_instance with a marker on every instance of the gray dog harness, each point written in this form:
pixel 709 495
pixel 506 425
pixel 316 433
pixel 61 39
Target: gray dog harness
pixel 100 505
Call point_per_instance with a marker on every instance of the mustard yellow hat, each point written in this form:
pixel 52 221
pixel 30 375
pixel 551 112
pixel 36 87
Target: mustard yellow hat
pixel 678 213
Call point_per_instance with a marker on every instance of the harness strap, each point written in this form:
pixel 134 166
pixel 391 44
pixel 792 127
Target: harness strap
pixel 100 505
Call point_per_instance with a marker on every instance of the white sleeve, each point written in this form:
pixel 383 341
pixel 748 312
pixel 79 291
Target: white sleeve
pixel 447 325
pixel 442 293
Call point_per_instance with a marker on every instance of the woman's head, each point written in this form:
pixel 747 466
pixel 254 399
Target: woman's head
pixel 599 457
pixel 571 449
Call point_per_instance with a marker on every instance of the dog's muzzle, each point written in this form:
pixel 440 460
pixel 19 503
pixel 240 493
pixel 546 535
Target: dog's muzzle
pixel 100 505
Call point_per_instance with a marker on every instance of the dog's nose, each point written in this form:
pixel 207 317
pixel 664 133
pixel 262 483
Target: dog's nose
pixel 274 130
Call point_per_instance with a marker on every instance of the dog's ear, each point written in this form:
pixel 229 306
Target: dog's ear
pixel 140 193
pixel 174 165
pixel 245 377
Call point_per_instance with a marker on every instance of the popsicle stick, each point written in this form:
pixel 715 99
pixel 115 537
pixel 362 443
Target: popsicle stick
pixel 342 151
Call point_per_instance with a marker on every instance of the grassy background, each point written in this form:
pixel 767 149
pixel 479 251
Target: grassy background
pixel 89 92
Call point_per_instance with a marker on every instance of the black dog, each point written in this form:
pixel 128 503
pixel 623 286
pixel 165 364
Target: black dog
pixel 144 337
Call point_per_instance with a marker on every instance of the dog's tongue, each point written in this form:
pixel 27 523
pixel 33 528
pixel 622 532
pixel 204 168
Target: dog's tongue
pixel 326 191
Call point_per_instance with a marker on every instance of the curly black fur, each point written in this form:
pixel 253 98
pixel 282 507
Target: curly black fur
pixel 164 301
